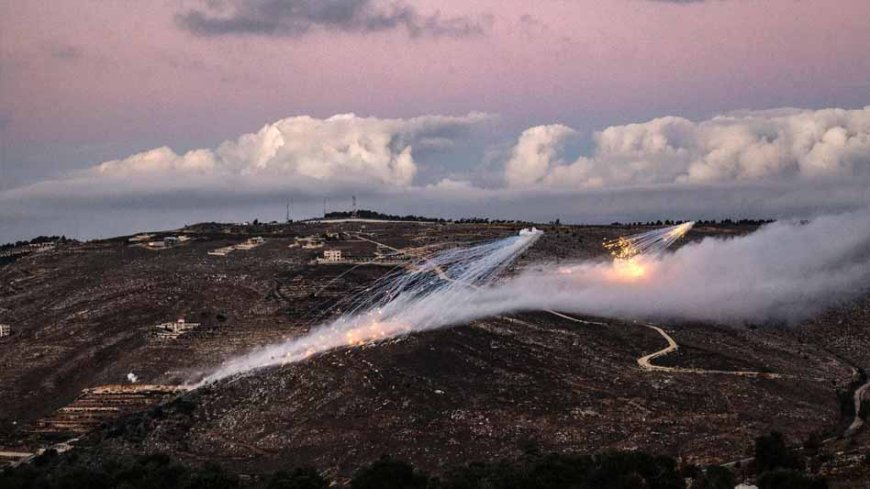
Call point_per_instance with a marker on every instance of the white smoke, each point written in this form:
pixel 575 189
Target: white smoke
pixel 786 272
pixel 406 303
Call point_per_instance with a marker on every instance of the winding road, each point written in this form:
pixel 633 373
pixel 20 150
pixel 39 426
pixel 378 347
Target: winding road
pixel 857 423
pixel 645 362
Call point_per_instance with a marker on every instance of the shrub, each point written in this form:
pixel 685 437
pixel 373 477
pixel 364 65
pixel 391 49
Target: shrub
pixel 789 479
pixel 304 478
pixel 388 473
pixel 716 477
pixel 771 452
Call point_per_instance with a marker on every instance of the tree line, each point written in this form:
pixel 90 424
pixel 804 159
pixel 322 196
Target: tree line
pixel 776 464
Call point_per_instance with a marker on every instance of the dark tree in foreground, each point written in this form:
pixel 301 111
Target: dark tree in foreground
pixel 611 470
pixel 213 476
pixel 716 477
pixel 304 478
pixel 789 479
pixel 771 452
pixel 388 473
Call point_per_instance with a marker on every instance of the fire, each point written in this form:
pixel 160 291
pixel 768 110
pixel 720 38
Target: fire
pixel 629 270
pixel 647 243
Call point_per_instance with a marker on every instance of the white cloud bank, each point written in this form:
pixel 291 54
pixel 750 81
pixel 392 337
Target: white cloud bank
pixel 785 144
pixel 342 147
pixel 777 163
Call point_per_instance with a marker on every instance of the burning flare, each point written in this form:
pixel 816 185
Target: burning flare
pixel 630 253
pixel 434 292
pixel 648 243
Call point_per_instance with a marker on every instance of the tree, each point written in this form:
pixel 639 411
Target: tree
pixel 303 478
pixel 212 476
pixel 771 453
pixel 813 444
pixel 716 477
pixel 789 479
pixel 388 473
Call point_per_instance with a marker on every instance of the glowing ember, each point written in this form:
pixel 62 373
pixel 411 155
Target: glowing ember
pixel 629 251
pixel 648 243
pixel 629 270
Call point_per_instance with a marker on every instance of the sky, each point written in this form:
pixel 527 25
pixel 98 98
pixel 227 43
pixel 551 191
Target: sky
pixel 122 115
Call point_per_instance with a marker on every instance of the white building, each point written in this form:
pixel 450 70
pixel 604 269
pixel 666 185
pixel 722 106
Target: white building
pixel 332 255
pixel 175 329
pixel 5 330
pixel 250 243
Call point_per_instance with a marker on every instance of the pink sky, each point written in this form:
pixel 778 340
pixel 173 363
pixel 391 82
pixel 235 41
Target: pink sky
pixel 86 81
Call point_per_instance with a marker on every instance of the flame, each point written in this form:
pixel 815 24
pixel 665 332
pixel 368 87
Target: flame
pixel 629 270
pixel 646 243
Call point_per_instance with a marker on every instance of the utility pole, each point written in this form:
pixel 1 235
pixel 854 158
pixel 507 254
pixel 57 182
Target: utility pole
pixel 354 207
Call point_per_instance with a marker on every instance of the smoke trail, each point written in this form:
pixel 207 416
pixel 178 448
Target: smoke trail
pixel 397 305
pixel 784 272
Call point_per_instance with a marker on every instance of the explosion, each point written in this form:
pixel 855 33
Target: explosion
pixel 647 243
pixel 628 270
pixel 629 252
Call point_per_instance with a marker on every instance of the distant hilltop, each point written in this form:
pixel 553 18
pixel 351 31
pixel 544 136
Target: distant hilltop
pixel 369 215
pixel 375 215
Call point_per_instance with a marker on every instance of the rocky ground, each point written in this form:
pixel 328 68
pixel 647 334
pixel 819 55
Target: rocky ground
pixel 83 315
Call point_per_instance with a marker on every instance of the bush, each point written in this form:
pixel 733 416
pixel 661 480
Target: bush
pixel 613 470
pixel 619 470
pixel 213 476
pixel 388 473
pixel 789 479
pixel 771 452
pixel 716 477
pixel 305 478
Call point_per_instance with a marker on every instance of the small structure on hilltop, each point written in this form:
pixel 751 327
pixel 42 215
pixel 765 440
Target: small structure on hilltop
pixel 307 242
pixel 173 330
pixel 331 255
pixel 5 330
pixel 251 243
pixel 248 244
pixel 139 238
pixel 165 243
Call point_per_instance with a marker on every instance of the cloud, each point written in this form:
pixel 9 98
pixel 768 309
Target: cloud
pixel 305 156
pixel 341 148
pixel 535 153
pixel 770 164
pixel 296 18
pixel 773 145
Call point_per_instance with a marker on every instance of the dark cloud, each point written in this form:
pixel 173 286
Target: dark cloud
pixel 296 18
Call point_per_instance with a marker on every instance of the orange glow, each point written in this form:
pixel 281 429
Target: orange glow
pixel 629 270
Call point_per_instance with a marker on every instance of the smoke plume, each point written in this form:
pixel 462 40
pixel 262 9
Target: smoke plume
pixel 784 272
